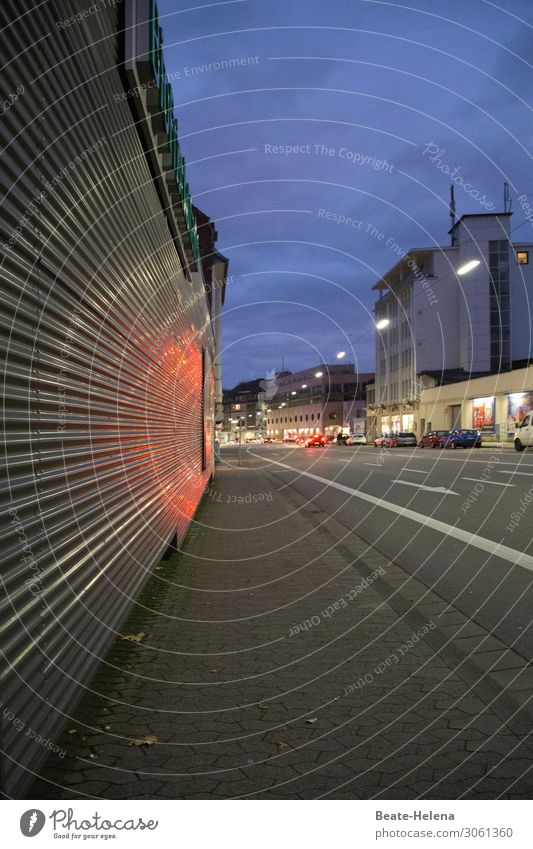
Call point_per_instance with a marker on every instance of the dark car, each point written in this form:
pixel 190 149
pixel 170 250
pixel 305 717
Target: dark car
pixel 433 439
pixel 462 438
pixel 316 439
pixel 401 440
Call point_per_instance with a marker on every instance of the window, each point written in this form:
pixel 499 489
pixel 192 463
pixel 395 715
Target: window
pixel 312 417
pixel 522 257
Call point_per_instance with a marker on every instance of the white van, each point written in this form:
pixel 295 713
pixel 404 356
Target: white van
pixel 523 435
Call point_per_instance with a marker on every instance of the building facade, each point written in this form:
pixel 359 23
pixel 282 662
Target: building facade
pixel 437 320
pixel 492 404
pixel 323 399
pixel 244 411
pixel 108 361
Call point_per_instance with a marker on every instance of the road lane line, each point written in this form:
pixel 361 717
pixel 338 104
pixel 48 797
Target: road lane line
pixel 512 472
pixel 492 483
pixel 379 465
pixel 505 552
pixel 418 471
pixel 440 489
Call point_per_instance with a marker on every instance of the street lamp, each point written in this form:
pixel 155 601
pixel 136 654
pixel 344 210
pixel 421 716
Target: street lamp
pixel 468 266
pixel 319 373
pixel 341 354
pixel 293 393
pixel 382 323
pixel 304 385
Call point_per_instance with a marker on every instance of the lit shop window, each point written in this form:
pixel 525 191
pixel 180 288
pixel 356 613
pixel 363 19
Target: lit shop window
pixel 522 257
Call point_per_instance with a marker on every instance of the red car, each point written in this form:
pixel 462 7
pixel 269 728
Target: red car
pixel 316 439
pixel 433 439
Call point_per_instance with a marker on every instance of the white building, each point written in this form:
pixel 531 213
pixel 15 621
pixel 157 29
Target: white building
pixel 479 321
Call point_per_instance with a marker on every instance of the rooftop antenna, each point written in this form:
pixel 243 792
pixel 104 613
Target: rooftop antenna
pixel 452 212
pixel 506 198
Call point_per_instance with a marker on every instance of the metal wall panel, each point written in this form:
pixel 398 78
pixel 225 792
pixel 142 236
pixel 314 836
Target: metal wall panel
pixel 104 397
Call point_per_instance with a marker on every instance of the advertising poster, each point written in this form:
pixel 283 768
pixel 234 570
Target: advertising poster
pixel 519 404
pixel 483 414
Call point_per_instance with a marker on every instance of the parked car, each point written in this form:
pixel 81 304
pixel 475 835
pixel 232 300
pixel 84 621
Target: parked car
pixel 400 440
pixel 405 440
pixel 269 440
pixel 356 439
pixel 301 440
pixel 317 439
pixel 378 441
pixel 290 440
pixel 523 434
pixel 462 438
pixel 433 439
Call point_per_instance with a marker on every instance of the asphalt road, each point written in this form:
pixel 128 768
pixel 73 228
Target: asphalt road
pixel 460 521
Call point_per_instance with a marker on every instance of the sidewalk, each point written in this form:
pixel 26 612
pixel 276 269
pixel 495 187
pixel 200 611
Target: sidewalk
pixel 271 660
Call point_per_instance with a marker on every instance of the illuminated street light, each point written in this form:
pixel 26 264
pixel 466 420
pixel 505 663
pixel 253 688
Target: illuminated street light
pixel 293 393
pixel 468 266
pixel 341 354
pixel 304 385
pixel 382 323
pixel 319 374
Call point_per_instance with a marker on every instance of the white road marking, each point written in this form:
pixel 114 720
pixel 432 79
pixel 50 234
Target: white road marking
pixel 418 471
pixel 505 552
pixel 379 465
pixel 492 483
pixel 513 472
pixel 451 457
pixel 441 489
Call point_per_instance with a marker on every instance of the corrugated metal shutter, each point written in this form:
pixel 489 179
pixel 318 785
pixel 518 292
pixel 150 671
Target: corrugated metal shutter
pixel 102 370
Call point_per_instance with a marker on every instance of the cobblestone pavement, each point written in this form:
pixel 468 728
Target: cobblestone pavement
pixel 274 660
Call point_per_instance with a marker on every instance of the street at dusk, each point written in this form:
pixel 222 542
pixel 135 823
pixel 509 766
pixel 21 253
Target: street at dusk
pixel 267 358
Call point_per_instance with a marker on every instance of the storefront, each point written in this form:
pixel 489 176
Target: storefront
pixel 492 405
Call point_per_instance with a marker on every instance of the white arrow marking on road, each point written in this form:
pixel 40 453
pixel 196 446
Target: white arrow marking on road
pixel 441 489
pixel 492 483
pixel 490 546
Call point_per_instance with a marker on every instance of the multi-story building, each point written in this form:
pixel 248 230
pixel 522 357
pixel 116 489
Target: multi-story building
pixel 243 410
pixel 322 399
pixel 214 273
pixel 434 315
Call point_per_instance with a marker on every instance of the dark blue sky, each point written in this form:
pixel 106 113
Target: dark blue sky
pixel 362 87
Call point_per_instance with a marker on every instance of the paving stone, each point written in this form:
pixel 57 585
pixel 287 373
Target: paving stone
pixel 230 702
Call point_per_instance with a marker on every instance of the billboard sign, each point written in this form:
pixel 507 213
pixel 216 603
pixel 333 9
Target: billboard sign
pixel 483 417
pixel 519 404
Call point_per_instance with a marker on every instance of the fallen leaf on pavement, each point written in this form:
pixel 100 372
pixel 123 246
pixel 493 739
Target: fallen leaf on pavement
pixel 312 721
pixel 133 638
pixel 146 741
pixel 281 744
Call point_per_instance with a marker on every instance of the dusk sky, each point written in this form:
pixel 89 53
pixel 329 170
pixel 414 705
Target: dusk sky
pixel 366 91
